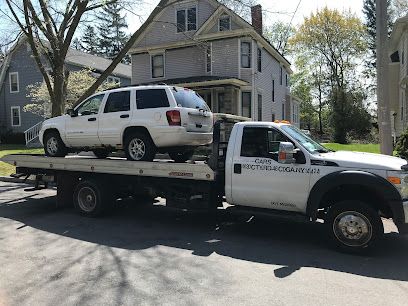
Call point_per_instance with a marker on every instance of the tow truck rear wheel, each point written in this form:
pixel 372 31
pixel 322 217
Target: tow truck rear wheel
pixel 353 226
pixel 92 198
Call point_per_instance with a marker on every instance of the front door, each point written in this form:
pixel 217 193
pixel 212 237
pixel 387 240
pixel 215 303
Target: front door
pixel 82 130
pixel 114 118
pixel 258 180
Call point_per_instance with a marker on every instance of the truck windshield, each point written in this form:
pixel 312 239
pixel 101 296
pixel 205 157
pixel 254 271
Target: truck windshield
pixel 189 99
pixel 308 143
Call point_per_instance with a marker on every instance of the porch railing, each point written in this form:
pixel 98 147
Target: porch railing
pixel 32 133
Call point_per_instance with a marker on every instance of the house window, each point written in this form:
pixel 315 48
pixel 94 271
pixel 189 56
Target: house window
pixel 112 79
pixel 286 80
pixel 273 117
pixel 158 66
pixel 259 107
pixel 273 90
pixel 245 54
pixel 259 59
pixel 186 19
pixel 224 23
pixel 221 103
pixel 281 76
pixel 208 57
pixel 246 104
pixel 14 82
pixel 15 116
pixel 283 111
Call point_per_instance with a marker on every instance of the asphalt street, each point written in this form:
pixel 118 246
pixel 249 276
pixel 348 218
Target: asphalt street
pixel 152 255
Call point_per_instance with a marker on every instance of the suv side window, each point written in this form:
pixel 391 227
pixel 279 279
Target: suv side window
pixel 118 102
pixel 151 98
pixel 261 142
pixel 90 106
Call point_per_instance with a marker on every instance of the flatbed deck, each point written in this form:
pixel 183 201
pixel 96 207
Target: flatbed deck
pixel 158 168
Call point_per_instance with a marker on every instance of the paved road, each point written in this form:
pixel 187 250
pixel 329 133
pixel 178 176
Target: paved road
pixel 154 256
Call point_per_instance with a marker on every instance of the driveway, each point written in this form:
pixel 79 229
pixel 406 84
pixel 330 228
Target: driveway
pixel 151 255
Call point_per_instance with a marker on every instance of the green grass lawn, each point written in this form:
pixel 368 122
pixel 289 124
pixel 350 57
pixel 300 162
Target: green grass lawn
pixel 370 148
pixel 5 149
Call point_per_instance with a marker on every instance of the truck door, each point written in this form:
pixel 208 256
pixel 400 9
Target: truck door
pixel 114 118
pixel 82 130
pixel 258 180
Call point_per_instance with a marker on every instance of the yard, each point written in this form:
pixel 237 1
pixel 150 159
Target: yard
pixel 5 149
pixel 370 148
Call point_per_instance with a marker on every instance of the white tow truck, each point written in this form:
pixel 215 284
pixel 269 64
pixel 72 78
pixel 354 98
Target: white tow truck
pixel 257 168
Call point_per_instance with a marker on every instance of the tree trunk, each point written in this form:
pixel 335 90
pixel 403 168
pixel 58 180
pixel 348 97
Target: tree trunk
pixel 59 91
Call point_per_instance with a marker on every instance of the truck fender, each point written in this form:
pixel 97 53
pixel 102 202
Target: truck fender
pixel 380 186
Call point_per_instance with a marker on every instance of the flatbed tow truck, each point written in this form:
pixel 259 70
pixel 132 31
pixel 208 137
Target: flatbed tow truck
pixel 267 168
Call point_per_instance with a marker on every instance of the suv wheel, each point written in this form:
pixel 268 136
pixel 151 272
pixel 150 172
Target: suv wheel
pixel 101 153
pixel 139 147
pixel 353 225
pixel 53 145
pixel 181 156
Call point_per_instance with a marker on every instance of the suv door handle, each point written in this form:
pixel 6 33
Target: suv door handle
pixel 92 119
pixel 124 116
pixel 237 168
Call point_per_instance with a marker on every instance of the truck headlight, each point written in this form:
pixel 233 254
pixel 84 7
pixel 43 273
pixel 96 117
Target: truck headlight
pixel 400 181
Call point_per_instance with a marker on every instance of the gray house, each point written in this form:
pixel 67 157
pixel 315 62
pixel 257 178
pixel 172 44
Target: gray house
pixel 203 45
pixel 19 70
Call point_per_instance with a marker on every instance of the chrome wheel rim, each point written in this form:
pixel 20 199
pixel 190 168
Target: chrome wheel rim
pixel 87 199
pixel 52 145
pixel 352 228
pixel 137 149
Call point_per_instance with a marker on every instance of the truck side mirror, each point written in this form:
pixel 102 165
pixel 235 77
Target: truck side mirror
pixel 286 152
pixel 71 112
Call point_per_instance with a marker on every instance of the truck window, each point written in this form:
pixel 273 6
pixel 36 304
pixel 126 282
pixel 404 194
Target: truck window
pixel 189 99
pixel 261 142
pixel 151 98
pixel 90 106
pixel 118 102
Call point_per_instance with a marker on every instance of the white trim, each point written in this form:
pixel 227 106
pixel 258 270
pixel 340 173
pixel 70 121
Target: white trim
pixel 12 116
pixel 18 82
pixel 151 65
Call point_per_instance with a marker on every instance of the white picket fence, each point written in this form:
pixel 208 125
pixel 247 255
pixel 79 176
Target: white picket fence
pixel 32 133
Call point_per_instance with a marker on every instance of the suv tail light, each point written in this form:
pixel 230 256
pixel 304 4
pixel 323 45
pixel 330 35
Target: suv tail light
pixel 173 117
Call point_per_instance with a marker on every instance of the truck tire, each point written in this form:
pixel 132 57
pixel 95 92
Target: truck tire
pixel 92 198
pixel 181 156
pixel 139 147
pixel 53 145
pixel 101 153
pixel 353 226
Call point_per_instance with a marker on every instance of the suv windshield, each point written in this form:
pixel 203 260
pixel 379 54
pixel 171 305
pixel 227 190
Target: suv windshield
pixel 307 142
pixel 189 99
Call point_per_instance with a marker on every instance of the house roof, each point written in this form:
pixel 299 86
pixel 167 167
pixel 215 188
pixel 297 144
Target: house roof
pixel 400 25
pixel 220 9
pixel 82 59
pixel 199 81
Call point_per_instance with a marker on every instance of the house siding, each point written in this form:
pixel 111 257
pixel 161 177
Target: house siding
pixel 22 63
pixel 165 31
pixel 225 58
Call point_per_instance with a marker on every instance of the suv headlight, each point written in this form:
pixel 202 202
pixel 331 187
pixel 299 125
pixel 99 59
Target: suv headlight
pixel 400 180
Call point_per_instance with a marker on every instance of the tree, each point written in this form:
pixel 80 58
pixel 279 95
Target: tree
pixel 89 41
pixel 241 7
pixel 400 8
pixel 278 35
pixel 78 82
pixel 50 27
pixel 111 31
pixel 336 39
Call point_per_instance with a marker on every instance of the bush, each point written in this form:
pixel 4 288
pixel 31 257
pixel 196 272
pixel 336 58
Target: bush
pixel 12 138
pixel 402 145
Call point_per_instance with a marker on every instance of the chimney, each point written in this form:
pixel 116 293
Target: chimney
pixel 256 13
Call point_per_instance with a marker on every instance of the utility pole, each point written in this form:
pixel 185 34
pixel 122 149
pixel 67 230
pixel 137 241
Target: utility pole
pixel 384 116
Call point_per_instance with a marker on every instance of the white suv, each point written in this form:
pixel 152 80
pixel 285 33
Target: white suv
pixel 140 120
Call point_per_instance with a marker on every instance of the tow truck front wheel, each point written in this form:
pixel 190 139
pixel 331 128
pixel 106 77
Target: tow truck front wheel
pixel 353 226
pixel 92 198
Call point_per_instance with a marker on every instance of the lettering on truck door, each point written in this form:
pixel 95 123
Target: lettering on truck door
pixel 258 179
